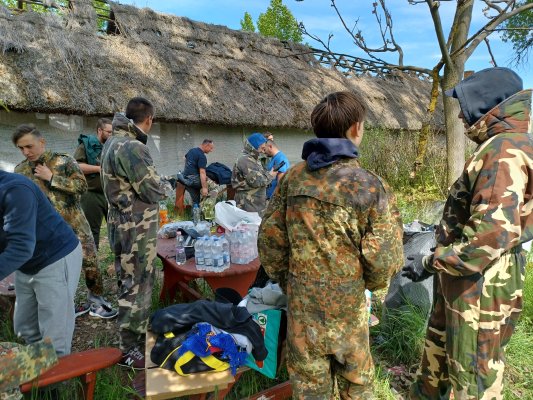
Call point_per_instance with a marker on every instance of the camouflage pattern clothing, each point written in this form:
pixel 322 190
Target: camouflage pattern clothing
pixel 479 259
pixel 132 188
pixel 20 364
pixel 64 191
pixel 250 180
pixel 328 234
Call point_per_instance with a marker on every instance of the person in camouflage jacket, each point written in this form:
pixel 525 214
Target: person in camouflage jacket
pixel 332 230
pixel 479 259
pixel 133 190
pixel 60 178
pixel 249 178
pixel 21 364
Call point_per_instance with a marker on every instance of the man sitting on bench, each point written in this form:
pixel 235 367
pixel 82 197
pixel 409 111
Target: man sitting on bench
pixel 194 177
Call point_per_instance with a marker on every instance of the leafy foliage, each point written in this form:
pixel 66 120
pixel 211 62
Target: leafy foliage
pixel 520 33
pixel 247 24
pixel 277 21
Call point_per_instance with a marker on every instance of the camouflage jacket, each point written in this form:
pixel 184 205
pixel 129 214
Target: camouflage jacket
pixel 131 183
pixel 489 208
pixel 66 186
pixel 336 224
pixel 23 363
pixel 250 180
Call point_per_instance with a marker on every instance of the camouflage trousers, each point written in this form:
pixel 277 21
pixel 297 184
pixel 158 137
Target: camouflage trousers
pixel 133 240
pixel 328 344
pixel 472 320
pixel 93 277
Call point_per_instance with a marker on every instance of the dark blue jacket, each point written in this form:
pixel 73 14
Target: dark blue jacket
pixel 32 234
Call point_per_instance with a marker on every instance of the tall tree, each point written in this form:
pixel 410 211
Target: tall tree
pixel 247 23
pixel 277 21
pixel 455 48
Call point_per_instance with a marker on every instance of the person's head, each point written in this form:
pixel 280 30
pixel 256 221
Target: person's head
pixel 104 129
pixel 484 90
pixel 258 142
pixel 141 111
pixel 268 136
pixel 29 141
pixel 271 148
pixel 340 115
pixel 207 146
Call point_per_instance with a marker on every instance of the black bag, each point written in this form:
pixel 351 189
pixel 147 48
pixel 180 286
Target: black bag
pixel 219 173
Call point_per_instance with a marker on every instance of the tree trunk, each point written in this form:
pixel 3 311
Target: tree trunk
pixel 455 139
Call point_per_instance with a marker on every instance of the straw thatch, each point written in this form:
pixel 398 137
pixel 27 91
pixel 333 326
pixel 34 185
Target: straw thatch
pixel 192 71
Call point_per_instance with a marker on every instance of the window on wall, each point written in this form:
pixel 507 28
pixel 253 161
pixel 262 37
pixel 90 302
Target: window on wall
pixel 106 23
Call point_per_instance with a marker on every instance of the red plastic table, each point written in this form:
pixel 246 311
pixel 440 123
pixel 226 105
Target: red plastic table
pixel 237 276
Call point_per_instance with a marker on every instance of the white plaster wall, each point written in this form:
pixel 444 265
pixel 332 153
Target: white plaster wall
pixel 168 142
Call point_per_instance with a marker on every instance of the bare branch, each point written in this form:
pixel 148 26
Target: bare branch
pixel 434 10
pixel 385 28
pixel 472 43
pixel 493 62
pixel 492 4
pixel 318 39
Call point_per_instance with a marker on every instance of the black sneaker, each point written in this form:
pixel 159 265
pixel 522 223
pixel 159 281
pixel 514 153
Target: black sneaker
pixel 133 358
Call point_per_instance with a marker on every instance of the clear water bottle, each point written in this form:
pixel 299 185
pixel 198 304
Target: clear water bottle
pixel 180 249
pixel 246 248
pixel 208 254
pixel 218 257
pixel 199 254
pixel 225 251
pixel 195 214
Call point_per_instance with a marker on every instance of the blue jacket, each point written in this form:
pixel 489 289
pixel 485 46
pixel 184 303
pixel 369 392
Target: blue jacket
pixel 32 234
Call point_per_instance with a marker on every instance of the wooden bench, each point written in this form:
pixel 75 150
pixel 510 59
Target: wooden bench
pixel 84 365
pixel 179 204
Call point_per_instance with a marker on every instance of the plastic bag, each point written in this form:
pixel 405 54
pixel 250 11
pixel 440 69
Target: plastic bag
pixel 169 230
pixel 231 217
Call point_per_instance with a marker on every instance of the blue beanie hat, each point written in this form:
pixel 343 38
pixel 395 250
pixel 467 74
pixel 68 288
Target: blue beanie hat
pixel 256 140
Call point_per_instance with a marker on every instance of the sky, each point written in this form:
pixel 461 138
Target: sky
pixel 412 26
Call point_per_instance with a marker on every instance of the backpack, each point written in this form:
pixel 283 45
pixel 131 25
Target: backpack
pixel 219 173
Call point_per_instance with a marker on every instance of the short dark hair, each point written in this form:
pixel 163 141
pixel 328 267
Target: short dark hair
pixel 336 113
pixel 272 143
pixel 103 121
pixel 138 109
pixel 23 130
pixel 207 141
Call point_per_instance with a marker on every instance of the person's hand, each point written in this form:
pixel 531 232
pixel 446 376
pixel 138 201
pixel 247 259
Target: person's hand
pixel 204 192
pixel 43 172
pixel 273 173
pixel 415 269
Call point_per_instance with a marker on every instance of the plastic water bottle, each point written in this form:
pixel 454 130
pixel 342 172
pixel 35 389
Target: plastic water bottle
pixel 195 214
pixel 208 254
pixel 218 257
pixel 199 254
pixel 246 247
pixel 180 250
pixel 225 251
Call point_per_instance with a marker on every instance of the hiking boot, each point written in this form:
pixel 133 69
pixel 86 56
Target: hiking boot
pixel 102 311
pixel 134 358
pixel 81 309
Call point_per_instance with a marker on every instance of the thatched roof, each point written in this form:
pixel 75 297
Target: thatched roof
pixel 192 71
